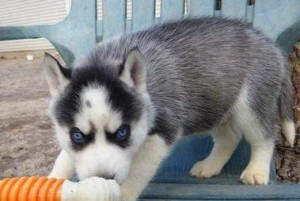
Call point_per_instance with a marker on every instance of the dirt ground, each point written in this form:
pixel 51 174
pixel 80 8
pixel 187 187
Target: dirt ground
pixel 27 143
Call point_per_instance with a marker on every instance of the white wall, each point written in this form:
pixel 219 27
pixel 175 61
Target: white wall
pixel 30 12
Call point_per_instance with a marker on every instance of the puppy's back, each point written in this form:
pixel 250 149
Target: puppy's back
pixel 196 68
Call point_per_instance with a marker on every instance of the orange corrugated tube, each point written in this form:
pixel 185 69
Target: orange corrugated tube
pixel 31 189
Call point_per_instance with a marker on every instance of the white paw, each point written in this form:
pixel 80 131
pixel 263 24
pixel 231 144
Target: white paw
pixel 255 176
pixel 205 169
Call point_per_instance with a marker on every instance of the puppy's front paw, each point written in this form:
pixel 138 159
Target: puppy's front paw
pixel 205 169
pixel 255 176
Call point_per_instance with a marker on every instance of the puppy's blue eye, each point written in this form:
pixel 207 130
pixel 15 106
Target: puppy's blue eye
pixel 77 136
pixel 123 133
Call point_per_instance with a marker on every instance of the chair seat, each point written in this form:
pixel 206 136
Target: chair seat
pixel 191 149
pixel 173 182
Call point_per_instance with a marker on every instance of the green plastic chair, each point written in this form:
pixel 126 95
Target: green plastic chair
pixel 80 31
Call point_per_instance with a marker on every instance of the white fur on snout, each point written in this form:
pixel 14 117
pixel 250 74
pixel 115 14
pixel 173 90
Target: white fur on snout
pixel 102 159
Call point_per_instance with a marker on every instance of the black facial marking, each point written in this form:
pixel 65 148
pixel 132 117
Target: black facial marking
pixel 67 106
pixel 121 97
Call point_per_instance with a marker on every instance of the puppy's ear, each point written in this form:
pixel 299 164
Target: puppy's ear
pixel 56 75
pixel 133 72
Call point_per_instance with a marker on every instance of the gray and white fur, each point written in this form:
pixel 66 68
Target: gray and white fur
pixel 165 82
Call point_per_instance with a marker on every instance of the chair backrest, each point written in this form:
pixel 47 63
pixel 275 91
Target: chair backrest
pixel 81 30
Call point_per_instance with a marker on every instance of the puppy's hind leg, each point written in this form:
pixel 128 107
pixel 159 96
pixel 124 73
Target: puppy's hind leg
pixel 225 142
pixel 258 169
pixel 257 121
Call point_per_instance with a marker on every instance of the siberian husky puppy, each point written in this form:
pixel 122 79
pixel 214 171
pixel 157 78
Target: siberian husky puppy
pixel 118 112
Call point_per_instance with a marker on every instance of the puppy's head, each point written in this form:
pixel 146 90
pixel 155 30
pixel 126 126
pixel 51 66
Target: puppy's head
pixel 101 112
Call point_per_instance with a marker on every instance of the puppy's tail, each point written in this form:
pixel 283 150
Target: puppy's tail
pixel 286 102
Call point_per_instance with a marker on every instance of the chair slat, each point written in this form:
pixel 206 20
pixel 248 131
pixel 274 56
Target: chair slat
pixel 172 10
pixel 250 14
pixel 201 8
pixel 113 18
pixel 234 9
pixel 142 14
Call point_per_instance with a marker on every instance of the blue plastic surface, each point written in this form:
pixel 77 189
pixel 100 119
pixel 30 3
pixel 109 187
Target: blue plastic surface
pixel 190 150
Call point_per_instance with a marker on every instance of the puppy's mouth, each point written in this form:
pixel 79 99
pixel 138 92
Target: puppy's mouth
pixel 108 176
pixel 104 176
pixel 119 179
pixel 115 177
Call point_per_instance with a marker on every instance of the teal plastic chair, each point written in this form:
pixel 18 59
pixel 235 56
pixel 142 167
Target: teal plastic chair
pixel 80 31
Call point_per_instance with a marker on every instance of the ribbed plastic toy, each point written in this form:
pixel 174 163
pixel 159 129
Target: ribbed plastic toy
pixel 50 189
pixel 31 189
